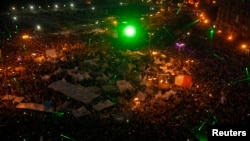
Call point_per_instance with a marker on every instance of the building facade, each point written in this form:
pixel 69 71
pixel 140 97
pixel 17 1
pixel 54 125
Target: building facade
pixel 233 19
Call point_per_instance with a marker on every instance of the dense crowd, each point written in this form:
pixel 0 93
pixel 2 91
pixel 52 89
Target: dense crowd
pixel 217 96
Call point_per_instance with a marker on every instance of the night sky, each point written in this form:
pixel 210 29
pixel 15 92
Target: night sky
pixel 6 4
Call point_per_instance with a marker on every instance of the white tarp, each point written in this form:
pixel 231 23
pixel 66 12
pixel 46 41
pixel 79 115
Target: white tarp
pixel 102 105
pixel 78 93
pixel 165 95
pixel 33 106
pixel 123 85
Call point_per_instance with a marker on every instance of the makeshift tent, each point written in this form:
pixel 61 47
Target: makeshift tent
pixel 63 106
pixel 33 106
pixel 165 95
pixel 141 96
pixel 183 81
pixel 78 93
pixel 13 98
pixel 39 59
pixel 81 111
pixel 123 85
pixel 18 99
pixel 102 105
pixel 8 97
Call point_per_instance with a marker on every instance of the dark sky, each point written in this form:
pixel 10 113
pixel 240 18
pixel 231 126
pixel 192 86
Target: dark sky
pixel 6 4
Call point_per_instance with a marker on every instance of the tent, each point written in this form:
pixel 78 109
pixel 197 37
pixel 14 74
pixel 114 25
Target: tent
pixel 8 97
pixel 63 106
pixel 13 98
pixel 183 81
pixel 141 96
pixel 39 59
pixel 79 112
pixel 78 93
pixel 33 106
pixel 18 99
pixel 165 95
pixel 102 105
pixel 123 85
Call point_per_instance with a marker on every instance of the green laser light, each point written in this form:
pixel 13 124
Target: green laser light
pixel 129 31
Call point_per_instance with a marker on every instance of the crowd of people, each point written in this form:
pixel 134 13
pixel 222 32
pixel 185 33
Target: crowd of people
pixel 218 95
pixel 178 118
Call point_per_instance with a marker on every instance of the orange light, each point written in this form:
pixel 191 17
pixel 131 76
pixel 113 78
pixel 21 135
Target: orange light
pixel 230 37
pixel 25 36
pixel 243 46
pixel 136 99
pixel 206 21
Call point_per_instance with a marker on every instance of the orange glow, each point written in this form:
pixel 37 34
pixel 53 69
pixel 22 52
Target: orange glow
pixel 230 37
pixel 25 36
pixel 243 46
pixel 206 21
pixel 136 99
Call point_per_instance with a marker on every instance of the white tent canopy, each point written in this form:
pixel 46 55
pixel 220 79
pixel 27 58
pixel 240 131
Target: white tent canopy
pixel 78 93
pixel 102 105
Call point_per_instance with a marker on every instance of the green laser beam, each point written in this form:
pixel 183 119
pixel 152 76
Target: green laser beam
pixel 67 137
pixel 179 9
pixel 191 24
pixel 247 72
pixel 238 81
pixel 202 125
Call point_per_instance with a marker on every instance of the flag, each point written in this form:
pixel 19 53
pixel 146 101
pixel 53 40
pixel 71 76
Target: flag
pixel 183 81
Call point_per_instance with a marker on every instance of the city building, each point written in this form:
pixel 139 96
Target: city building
pixel 233 19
